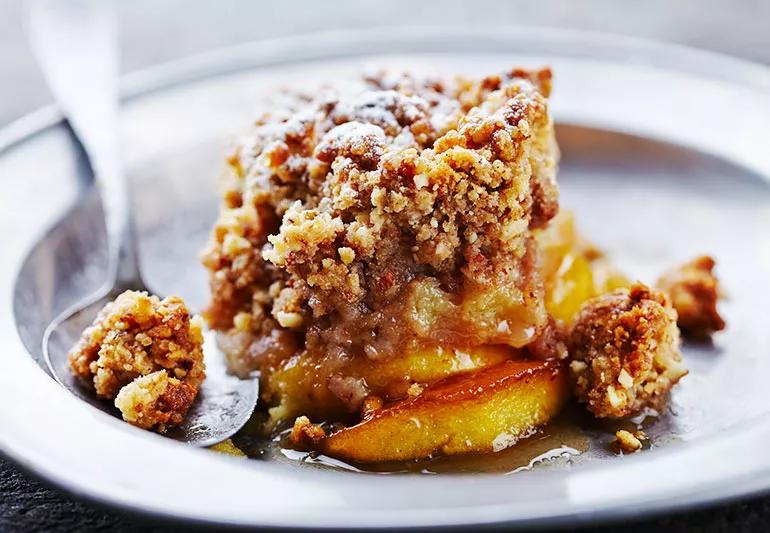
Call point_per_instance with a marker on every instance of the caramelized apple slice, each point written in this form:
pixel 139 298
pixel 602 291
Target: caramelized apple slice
pixel 300 385
pixel 483 411
pixel 573 270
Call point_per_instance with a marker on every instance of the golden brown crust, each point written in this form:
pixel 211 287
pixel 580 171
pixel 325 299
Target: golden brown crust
pixel 461 201
pixel 140 335
pixel 694 291
pixel 625 352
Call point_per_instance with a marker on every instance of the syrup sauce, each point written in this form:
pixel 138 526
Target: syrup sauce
pixel 574 436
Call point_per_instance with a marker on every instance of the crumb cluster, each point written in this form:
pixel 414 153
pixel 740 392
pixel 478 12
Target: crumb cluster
pixel 146 354
pixel 155 401
pixel 694 292
pixel 624 350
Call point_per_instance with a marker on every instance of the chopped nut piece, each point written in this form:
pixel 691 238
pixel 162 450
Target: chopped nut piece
pixel 235 244
pixel 141 336
pixel 629 442
pixel 625 351
pixel 625 379
pixel 347 255
pixel 694 292
pixel 306 434
pixel 289 320
pixel 242 321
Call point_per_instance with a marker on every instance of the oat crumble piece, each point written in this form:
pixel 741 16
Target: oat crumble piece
pixel 694 291
pixel 625 352
pixel 146 354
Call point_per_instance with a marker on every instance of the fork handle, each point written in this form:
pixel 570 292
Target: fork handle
pixel 75 43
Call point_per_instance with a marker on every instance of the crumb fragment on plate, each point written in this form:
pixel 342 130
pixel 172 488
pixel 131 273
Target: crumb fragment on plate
pixel 628 442
pixel 306 434
pixel 694 291
pixel 625 352
pixel 147 355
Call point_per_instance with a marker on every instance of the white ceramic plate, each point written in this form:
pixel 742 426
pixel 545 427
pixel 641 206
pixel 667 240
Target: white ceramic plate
pixel 666 155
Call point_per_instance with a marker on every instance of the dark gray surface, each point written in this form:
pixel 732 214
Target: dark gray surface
pixel 153 32
pixel 28 505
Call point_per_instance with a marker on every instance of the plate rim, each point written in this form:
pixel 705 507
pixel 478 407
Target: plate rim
pixel 239 57
pixel 242 57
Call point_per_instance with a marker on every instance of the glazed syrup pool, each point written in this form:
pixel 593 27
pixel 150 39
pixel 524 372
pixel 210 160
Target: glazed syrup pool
pixel 567 439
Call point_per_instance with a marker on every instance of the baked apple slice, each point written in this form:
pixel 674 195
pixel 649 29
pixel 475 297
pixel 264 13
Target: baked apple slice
pixel 573 270
pixel 478 412
pixel 304 384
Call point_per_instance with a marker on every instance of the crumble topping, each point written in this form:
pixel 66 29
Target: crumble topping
pixel 625 352
pixel 353 223
pixel 437 199
pixel 146 354
pixel 155 401
pixel 694 291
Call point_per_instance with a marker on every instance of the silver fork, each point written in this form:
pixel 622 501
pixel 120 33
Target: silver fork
pixel 76 45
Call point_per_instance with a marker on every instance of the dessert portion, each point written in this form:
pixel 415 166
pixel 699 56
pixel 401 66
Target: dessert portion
pixel 391 259
pixel 145 354
pixel 379 240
